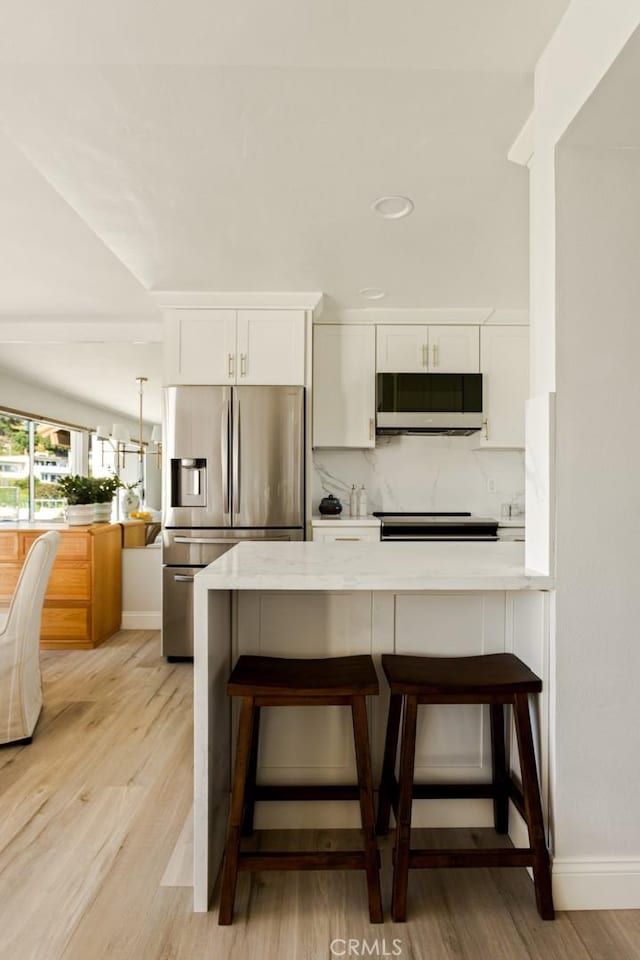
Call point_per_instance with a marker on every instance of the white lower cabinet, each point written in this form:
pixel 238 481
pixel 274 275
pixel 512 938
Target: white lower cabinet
pixel 348 535
pixel 344 531
pixel 315 745
pixel 305 744
pixel 452 742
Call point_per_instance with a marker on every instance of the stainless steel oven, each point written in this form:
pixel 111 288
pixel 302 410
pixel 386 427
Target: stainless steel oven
pixel 436 526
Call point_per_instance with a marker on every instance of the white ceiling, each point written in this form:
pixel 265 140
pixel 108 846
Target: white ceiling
pixel 213 146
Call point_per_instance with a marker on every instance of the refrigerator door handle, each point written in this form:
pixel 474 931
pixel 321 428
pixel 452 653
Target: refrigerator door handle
pixel 236 457
pixel 224 456
pixel 180 578
pixel 230 541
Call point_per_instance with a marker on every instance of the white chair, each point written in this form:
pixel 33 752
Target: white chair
pixel 20 679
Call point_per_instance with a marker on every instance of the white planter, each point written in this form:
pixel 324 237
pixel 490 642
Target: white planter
pixel 102 512
pixel 79 514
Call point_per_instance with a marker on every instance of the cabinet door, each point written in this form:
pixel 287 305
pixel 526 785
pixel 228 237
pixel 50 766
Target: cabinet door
pixel 402 349
pixel 200 346
pixel 452 741
pixel 353 534
pixel 505 384
pixel 344 388
pixel 271 347
pixel 305 744
pixel 454 349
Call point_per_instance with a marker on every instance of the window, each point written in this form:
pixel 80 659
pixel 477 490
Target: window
pixel 34 454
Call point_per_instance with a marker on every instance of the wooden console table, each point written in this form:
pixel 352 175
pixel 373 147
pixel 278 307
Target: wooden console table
pixel 83 603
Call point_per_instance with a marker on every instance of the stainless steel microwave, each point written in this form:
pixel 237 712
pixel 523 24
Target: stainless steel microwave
pixel 437 403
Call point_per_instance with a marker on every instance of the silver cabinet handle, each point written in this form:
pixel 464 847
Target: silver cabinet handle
pixel 372 428
pixel 347 538
pixel 230 368
pixel 243 364
pixel 425 355
pixel 180 578
pixel 485 424
pixel 435 355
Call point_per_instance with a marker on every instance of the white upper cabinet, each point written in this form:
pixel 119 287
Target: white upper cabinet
pixel 454 349
pixel 504 354
pixel 402 348
pixel 270 347
pixel 216 346
pixel 344 385
pixel 200 346
pixel 414 348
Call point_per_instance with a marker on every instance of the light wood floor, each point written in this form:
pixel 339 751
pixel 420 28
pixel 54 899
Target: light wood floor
pixel 91 811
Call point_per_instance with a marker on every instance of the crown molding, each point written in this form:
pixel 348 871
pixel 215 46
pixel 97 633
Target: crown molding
pixel 203 299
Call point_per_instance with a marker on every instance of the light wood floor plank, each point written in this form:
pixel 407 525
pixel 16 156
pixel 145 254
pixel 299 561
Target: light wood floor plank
pixel 92 810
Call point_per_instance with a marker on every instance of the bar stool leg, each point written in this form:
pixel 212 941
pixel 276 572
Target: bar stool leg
pixel 365 783
pixel 403 828
pixel 387 793
pixel 250 790
pixel 232 849
pixel 499 765
pixel 533 807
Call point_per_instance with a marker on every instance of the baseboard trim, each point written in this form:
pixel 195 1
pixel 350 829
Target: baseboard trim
pixel 596 884
pixel 141 620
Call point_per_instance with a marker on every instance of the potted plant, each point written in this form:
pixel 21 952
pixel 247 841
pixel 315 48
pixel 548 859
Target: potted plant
pixel 79 493
pixel 104 490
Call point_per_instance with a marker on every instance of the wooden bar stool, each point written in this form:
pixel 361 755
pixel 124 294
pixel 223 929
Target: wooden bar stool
pixel 496 679
pixel 277 682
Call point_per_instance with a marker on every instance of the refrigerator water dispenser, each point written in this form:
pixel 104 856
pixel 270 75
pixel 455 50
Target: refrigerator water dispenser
pixel 189 482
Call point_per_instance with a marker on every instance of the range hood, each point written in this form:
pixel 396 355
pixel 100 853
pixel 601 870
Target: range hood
pixel 448 404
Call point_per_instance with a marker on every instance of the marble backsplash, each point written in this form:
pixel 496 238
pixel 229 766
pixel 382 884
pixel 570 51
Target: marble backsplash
pixel 422 473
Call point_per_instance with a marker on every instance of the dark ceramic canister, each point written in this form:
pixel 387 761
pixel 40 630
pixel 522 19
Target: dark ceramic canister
pixel 330 506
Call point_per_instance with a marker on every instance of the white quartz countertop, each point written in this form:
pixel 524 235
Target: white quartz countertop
pixel 372 566
pixel 344 520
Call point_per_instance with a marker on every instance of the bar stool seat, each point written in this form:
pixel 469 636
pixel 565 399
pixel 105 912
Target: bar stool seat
pixel 280 682
pixel 495 679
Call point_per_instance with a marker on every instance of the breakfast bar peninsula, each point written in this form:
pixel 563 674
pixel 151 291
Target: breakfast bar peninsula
pixel 331 599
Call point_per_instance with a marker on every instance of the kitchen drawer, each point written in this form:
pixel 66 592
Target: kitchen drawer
pixel 511 533
pixel 347 534
pixel 73 546
pixel 9 573
pixel 68 624
pixel 71 581
pixel 9 546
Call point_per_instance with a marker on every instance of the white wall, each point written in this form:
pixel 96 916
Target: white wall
pixel 585 342
pixel 142 588
pixel 422 473
pixel 50 405
pixel 598 504
pixel 588 39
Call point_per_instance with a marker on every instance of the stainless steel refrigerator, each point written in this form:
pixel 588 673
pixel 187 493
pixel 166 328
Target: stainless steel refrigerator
pixel 233 470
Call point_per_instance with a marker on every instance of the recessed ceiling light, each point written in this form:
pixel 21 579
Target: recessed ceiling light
pixel 392 208
pixel 372 293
